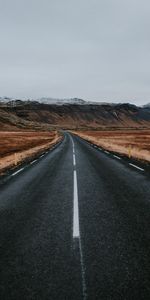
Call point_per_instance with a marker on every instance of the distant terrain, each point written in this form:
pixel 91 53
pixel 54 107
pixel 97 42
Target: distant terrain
pixel 114 126
pixel 73 114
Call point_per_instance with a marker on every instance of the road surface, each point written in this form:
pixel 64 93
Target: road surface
pixel 75 224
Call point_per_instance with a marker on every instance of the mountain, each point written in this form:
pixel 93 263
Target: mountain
pixel 76 113
pixel 49 101
pixel 44 100
pixel 146 106
pixel 62 101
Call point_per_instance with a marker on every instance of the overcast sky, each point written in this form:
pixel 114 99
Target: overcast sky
pixel 92 49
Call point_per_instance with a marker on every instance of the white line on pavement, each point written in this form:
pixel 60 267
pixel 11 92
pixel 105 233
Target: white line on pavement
pixel 17 172
pixel 32 162
pixel 74 159
pixel 76 232
pixel 117 157
pixel 76 227
pixel 136 167
pixel 106 152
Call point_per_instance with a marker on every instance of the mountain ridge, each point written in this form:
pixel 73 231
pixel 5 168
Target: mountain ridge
pixel 60 101
pixel 20 114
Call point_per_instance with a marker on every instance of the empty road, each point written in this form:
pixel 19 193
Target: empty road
pixel 75 225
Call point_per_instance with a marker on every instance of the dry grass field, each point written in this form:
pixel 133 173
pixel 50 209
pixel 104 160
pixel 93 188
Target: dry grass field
pixel 16 147
pixel 11 142
pixel 133 143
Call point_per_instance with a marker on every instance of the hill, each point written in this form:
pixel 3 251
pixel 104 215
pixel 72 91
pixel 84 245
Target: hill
pixel 74 114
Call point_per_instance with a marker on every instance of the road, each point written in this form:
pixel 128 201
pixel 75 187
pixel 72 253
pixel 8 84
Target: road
pixel 75 224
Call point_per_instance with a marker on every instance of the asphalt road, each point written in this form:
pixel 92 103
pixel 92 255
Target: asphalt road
pixel 75 224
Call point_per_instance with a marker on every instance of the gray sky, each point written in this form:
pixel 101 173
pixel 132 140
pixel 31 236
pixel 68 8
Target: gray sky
pixel 92 49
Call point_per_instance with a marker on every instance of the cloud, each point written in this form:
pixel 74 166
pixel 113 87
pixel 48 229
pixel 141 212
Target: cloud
pixel 95 49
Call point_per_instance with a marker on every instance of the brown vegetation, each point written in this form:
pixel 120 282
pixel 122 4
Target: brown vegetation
pixel 134 143
pixel 16 147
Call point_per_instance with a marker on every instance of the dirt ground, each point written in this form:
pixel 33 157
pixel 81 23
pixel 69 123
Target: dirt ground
pixel 133 143
pixel 16 147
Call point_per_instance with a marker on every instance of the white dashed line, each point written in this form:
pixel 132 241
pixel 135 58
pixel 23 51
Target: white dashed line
pixel 136 167
pixel 32 162
pixel 106 152
pixel 17 172
pixel 76 231
pixel 117 157
pixel 74 160
pixel 76 227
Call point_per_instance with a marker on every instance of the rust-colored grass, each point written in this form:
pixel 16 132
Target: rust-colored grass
pixel 134 143
pixel 11 142
pixel 16 147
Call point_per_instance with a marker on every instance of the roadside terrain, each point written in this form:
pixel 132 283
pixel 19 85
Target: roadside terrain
pixel 17 147
pixel 132 143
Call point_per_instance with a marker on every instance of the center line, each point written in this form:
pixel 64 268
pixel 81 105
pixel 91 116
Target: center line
pixel 76 232
pixel 76 227
pixel 74 160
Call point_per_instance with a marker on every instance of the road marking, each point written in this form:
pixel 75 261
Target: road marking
pixel 32 162
pixel 84 288
pixel 117 157
pixel 136 167
pixel 106 152
pixel 76 227
pixel 76 231
pixel 17 172
pixel 42 155
pixel 74 160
